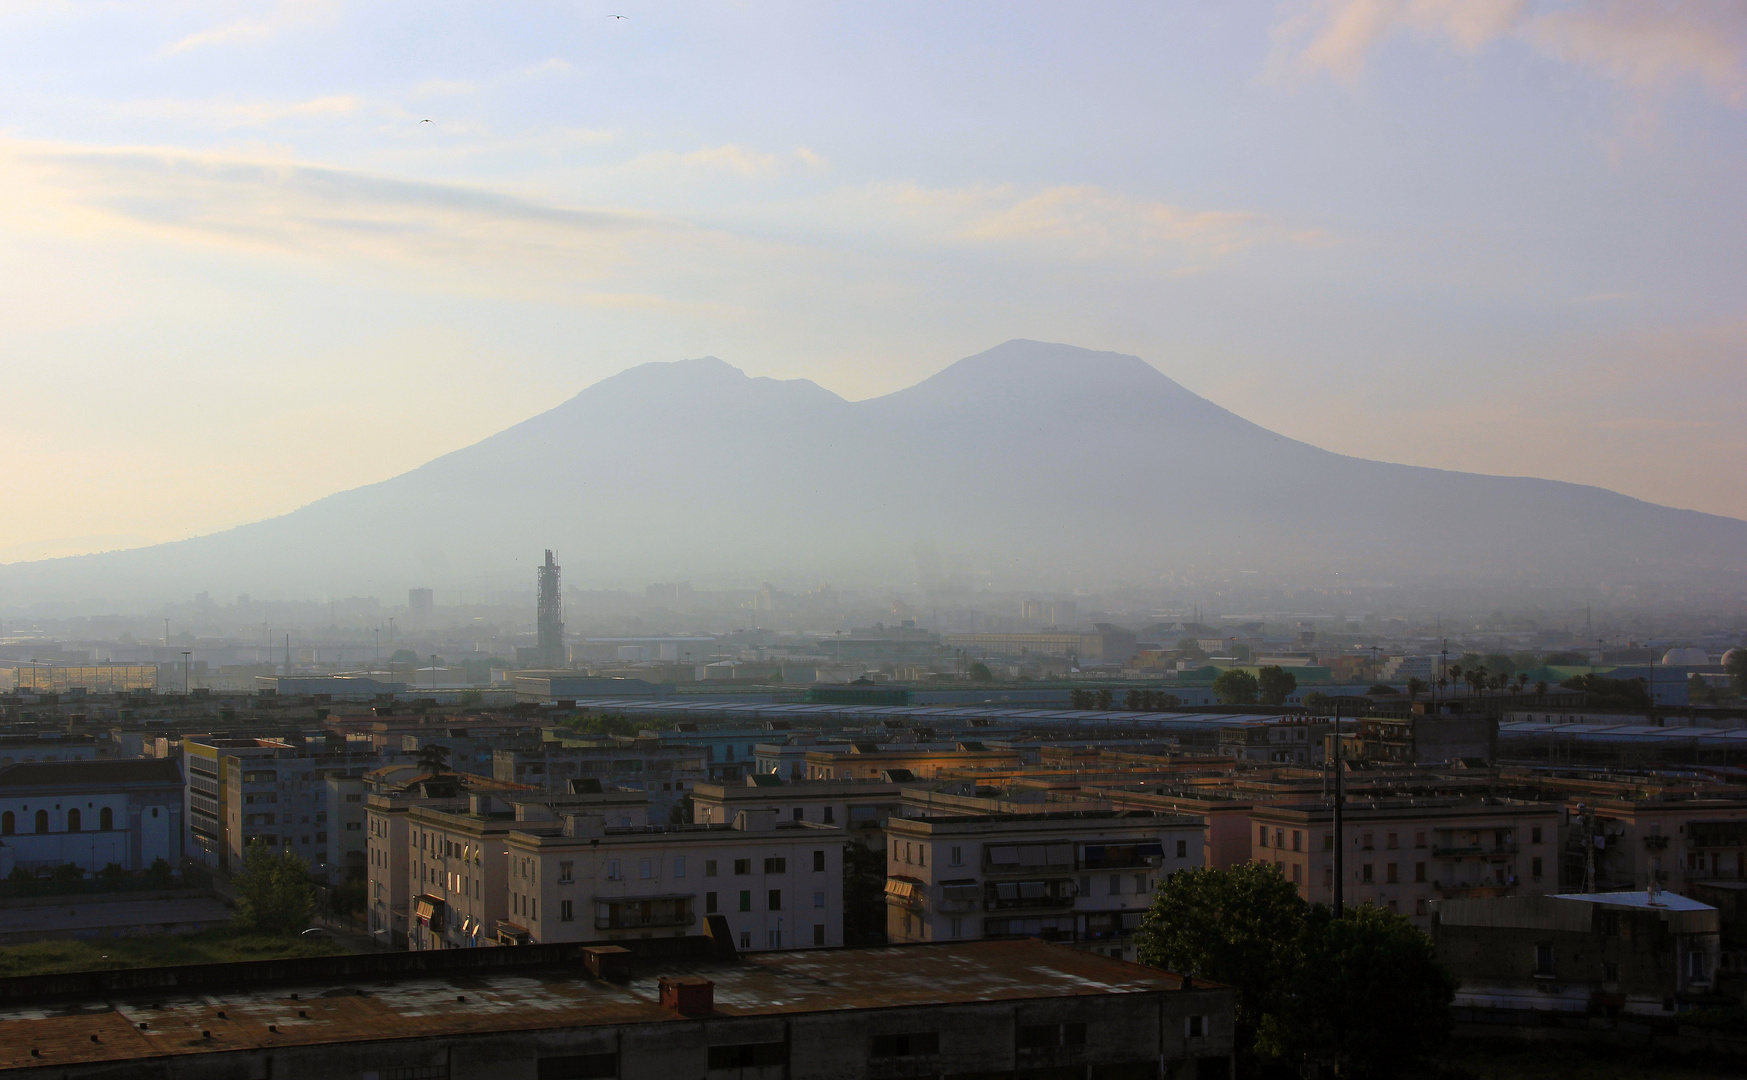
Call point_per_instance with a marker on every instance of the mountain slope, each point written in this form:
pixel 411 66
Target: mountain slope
pixel 1038 461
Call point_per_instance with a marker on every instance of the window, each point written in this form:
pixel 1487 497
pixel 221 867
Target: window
pixel 889 1046
pixel 1535 866
pixel 775 865
pixel 1390 842
pixel 1051 1036
pixel 1328 841
pixel 1115 884
pixel 956 857
pixel 818 862
pixel 1262 836
pixel 1297 873
pixel 1419 906
pixel 578 1067
pixel 1140 884
pixel 1297 840
pixel 1365 842
pixel 566 873
pixel 818 933
pixel 1182 849
pixel 1419 839
pixel 776 900
pixel 742 867
pixel 73 821
pixel 1367 873
pixel 1390 874
pixel 818 899
pixel 749 1056
pixel 709 903
pixel 8 823
pixel 566 913
pixel 745 899
pixel 1544 958
pixel 829 817
pixel 1328 877
pixel 921 855
pixel 106 819
pixel 645 868
pixel 1419 873
pixel 709 868
pixel 1194 1027
pixel 679 866
pixel 1535 835
pixel 613 873
pixel 800 814
pixel 774 939
pixel 1279 838
pixel 42 821
pixel 957 929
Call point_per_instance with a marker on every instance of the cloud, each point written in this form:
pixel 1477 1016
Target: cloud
pixel 283 17
pixel 225 113
pixel 1644 44
pixel 731 158
pixel 1082 221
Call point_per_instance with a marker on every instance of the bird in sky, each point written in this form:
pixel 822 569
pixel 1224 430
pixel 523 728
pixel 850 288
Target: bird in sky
pixel 615 16
pixel 424 121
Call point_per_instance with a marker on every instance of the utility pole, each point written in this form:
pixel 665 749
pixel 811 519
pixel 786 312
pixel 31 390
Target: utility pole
pixel 166 630
pixel 1340 823
pixel 185 655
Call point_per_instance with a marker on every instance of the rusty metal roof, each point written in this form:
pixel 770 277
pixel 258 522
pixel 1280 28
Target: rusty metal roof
pixel 145 1026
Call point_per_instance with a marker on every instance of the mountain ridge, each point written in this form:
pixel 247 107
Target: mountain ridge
pixel 1029 459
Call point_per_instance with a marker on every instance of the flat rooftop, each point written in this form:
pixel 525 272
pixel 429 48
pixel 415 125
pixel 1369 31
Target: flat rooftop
pixel 146 1023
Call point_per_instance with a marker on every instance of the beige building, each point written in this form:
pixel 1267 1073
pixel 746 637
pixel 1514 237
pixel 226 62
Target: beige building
pixel 1083 877
pixel 875 761
pixel 1404 853
pixel 860 807
pixel 778 883
pixel 435 854
pixel 1675 839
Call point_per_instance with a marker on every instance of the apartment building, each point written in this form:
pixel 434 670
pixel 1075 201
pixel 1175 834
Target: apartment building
pixel 777 882
pixel 664 773
pixel 1291 740
pixel 411 866
pixel 871 761
pixel 1673 839
pixel 858 806
pixel 1084 877
pixel 1404 853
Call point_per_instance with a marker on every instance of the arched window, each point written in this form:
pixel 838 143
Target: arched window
pixel 72 821
pixel 42 821
pixel 106 819
pixel 8 824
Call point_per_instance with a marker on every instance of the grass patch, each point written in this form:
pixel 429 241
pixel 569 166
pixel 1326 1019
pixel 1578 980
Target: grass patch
pixel 220 945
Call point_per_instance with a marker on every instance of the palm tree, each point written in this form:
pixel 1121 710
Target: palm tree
pixel 1415 687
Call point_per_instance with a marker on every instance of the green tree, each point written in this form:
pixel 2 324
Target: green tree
pixel 1610 693
pixel 1191 649
pixel 1274 684
pixel 1415 687
pixel 112 875
pixel 68 874
pixel 1106 700
pixel 1230 926
pixel 980 672
pixel 161 875
pixel 274 894
pixel 1236 687
pixel 20 876
pixel 347 898
pixel 1316 699
pixel 434 758
pixel 1384 689
pixel 1366 991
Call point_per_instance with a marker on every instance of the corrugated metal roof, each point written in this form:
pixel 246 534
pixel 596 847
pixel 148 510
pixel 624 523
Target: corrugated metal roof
pixel 144 1027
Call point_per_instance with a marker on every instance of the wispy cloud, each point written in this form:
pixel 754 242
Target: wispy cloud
pixel 284 16
pixel 1644 44
pixel 227 113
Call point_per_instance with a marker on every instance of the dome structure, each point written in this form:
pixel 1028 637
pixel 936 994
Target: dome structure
pixel 1729 657
pixel 1686 658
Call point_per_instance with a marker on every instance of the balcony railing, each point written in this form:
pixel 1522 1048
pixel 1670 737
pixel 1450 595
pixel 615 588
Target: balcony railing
pixel 1473 850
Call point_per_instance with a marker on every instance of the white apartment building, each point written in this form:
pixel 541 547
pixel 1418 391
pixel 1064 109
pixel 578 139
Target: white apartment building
pixel 1083 877
pixel 778 883
pixel 435 854
pixel 859 806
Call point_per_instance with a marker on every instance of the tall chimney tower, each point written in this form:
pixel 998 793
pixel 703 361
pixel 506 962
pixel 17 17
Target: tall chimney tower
pixel 549 617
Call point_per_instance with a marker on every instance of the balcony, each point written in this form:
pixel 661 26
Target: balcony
pixel 644 914
pixel 1473 851
pixel 1010 895
pixel 1481 890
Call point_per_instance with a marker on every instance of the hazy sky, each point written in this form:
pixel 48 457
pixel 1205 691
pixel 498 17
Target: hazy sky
pixel 238 271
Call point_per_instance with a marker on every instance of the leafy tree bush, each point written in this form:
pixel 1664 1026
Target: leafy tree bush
pixel 1236 687
pixel 68 874
pixel 347 897
pixel 1230 926
pixel 1610 693
pixel 1383 688
pixel 1274 684
pixel 1362 990
pixel 980 672
pixel 1737 669
pixel 112 875
pixel 160 875
pixel 20 876
pixel 274 895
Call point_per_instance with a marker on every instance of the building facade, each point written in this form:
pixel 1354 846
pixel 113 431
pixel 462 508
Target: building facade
pixel 90 813
pixel 1081 877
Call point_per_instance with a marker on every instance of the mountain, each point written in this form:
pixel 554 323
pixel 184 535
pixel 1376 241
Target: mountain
pixel 1033 462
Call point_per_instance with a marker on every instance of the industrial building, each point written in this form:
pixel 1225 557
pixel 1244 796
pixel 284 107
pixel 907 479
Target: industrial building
pixel 644 1010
